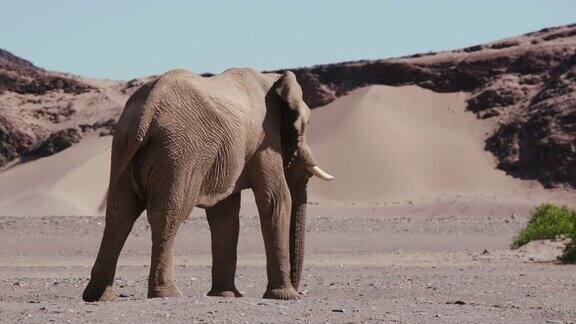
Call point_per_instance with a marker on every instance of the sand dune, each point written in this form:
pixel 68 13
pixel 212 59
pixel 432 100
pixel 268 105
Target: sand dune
pixel 72 182
pixel 396 143
pixel 383 144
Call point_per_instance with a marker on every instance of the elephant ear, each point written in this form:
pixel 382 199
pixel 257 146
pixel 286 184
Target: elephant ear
pixel 295 116
pixel 291 93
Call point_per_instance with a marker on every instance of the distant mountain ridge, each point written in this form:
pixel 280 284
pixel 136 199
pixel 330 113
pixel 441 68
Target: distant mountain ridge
pixel 8 59
pixel 526 84
pixel 21 76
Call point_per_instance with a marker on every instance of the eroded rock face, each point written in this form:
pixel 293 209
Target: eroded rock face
pixel 499 93
pixel 56 142
pixel 539 142
pixel 12 142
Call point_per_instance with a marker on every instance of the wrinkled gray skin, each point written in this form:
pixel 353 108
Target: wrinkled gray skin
pixel 184 140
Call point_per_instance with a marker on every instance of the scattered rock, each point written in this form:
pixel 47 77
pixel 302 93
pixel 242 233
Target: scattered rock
pixel 474 48
pixel 505 44
pixel 56 142
pixel 495 97
pixel 457 302
pixel 106 127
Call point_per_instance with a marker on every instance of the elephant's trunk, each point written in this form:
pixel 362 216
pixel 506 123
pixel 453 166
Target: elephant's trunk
pixel 297 231
pixel 297 179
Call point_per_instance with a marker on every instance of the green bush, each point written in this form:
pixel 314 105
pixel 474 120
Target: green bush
pixel 547 222
pixel 569 254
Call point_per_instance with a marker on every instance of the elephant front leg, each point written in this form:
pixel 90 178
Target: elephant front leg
pixel 224 221
pixel 274 203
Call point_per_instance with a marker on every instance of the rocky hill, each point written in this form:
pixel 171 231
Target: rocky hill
pixel 526 85
pixel 43 112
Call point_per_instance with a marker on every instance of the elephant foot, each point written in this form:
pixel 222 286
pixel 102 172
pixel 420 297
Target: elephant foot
pixel 94 293
pixel 169 291
pixel 282 293
pixel 224 292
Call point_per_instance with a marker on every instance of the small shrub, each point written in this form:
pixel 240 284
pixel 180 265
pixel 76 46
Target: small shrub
pixel 569 253
pixel 547 222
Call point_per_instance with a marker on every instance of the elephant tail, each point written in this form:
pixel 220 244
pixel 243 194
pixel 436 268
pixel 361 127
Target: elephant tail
pixel 131 132
pixel 102 205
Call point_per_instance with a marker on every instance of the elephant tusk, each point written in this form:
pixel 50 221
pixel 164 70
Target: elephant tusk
pixel 315 170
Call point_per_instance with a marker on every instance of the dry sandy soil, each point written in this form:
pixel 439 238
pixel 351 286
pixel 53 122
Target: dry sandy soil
pixel 447 261
pixel 416 228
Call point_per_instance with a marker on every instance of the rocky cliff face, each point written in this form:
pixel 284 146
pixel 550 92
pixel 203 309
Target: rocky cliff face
pixel 20 78
pixel 539 140
pixel 526 84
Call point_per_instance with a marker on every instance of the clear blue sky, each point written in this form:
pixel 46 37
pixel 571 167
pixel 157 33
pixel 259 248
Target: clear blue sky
pixel 127 39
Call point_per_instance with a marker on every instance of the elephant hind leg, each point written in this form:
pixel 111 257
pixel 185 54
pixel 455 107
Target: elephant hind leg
pixel 224 221
pixel 170 202
pixel 164 226
pixel 123 208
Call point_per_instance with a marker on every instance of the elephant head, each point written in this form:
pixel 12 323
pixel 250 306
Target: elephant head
pixel 299 165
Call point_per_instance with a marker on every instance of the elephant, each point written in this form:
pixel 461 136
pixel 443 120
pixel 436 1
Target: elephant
pixel 185 141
